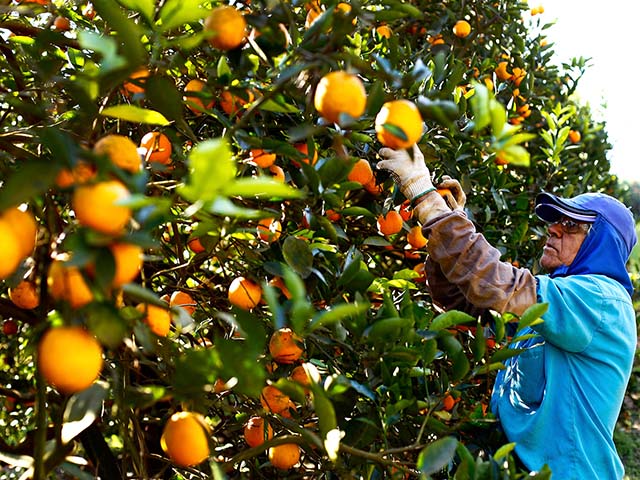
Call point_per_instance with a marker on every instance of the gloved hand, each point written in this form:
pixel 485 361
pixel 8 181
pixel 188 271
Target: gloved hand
pixel 457 198
pixel 414 179
pixel 411 175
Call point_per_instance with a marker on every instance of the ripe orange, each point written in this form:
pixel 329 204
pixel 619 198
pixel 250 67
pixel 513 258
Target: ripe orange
pixel 518 75
pixel 305 374
pixel 157 147
pixel 70 358
pixel 244 293
pixel 195 245
pixel 82 172
pixel 361 172
pixel 277 172
pixel 25 295
pixel 390 223
pixel 405 210
pixel 284 456
pixel 122 152
pixel 228 26
pixel 183 300
pixel 340 93
pixel 461 28
pixel 403 114
pixel 332 215
pixel 420 270
pixel 10 327
pixel 261 158
pixel 61 24
pixel 158 318
pixel 185 439
pixel 269 230
pixel 231 103
pixel 574 136
pixel 312 16
pixel 303 148
pixel 415 237
pixel 501 71
pixel 384 31
pixel 128 260
pixel 136 81
pixel 257 430
pixel 373 187
pixel 24 227
pixel 195 103
pixel 278 283
pixel 96 206
pixel 285 346
pixel 274 400
pixel 67 284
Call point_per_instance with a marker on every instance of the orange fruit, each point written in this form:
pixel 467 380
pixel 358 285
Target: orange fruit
pixel 231 103
pixel 312 16
pixel 61 24
pixel 344 8
pixel 448 402
pixel 373 187
pixel 404 115
pixel 415 237
pixel 136 81
pixel 69 358
pixel 195 245
pixel 284 456
pixel 574 136
pixel 158 318
pixel 405 210
pixel 185 439
pixel 183 300
pixel 420 270
pixel 390 223
pixel 244 293
pixel 277 172
pixel 228 26
pixel 128 260
pixel 461 28
pixel 518 75
pixel 332 215
pixel 157 147
pixel 274 400
pixel 303 148
pixel 278 283
pixel 257 430
pixel 24 227
pixel 285 346
pixel 384 31
pixel 269 230
pixel 361 172
pixel 67 284
pixel 340 93
pixel 305 374
pixel 195 103
pixel 501 71
pixel 25 295
pixel 261 158
pixel 82 172
pixel 96 206
pixel 122 152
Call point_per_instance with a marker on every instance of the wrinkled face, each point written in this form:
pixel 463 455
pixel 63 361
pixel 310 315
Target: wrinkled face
pixel 565 238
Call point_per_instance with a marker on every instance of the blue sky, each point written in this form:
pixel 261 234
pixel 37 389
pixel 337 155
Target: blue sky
pixel 608 33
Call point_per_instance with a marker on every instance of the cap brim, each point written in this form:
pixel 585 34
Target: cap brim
pixel 551 208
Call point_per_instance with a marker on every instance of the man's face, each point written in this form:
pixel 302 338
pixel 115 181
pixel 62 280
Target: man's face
pixel 564 241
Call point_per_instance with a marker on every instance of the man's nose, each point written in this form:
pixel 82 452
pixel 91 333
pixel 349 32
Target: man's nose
pixel 555 229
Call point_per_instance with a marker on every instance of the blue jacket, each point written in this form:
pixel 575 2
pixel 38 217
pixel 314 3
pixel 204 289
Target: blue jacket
pixel 559 400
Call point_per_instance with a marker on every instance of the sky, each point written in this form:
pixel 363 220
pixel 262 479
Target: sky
pixel 608 34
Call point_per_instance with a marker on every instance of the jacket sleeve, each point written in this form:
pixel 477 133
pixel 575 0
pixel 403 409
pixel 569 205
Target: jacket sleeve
pixel 469 263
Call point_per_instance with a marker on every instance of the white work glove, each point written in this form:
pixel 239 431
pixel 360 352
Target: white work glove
pixel 457 198
pixel 414 179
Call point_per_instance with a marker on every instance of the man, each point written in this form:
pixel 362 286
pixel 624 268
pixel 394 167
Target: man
pixel 559 399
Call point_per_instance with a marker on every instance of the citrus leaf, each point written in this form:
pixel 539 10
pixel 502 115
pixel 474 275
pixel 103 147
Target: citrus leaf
pixel 450 319
pixel 504 450
pixel 211 169
pixel 337 313
pixel 396 131
pixel 532 315
pixel 437 455
pixel 82 410
pixel 145 7
pixel 298 256
pixel 175 13
pixel 260 187
pixel 131 113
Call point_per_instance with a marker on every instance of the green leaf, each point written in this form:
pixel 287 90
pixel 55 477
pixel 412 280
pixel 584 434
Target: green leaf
pixel 437 455
pixel 175 13
pixel 504 450
pixel 480 107
pixel 127 31
pixel 106 46
pixel 336 314
pixel 133 113
pixel 396 131
pixel 261 187
pixel 82 410
pixel 224 207
pixel 324 409
pixel 32 178
pixel 503 354
pixel 387 328
pixel 211 169
pixel 278 106
pixel 145 7
pixel 450 319
pixel 532 315
pixel 298 256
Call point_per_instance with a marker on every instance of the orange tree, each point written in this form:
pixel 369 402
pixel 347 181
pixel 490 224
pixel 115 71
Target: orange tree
pixel 232 268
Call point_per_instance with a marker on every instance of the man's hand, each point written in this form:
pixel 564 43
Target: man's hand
pixel 457 198
pixel 411 174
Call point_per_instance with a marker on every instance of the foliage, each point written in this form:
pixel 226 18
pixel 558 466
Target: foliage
pixel 387 359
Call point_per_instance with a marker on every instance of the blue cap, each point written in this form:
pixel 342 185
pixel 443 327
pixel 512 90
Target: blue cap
pixel 585 208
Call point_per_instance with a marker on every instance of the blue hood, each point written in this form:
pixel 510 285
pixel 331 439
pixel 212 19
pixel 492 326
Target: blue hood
pixel 606 249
